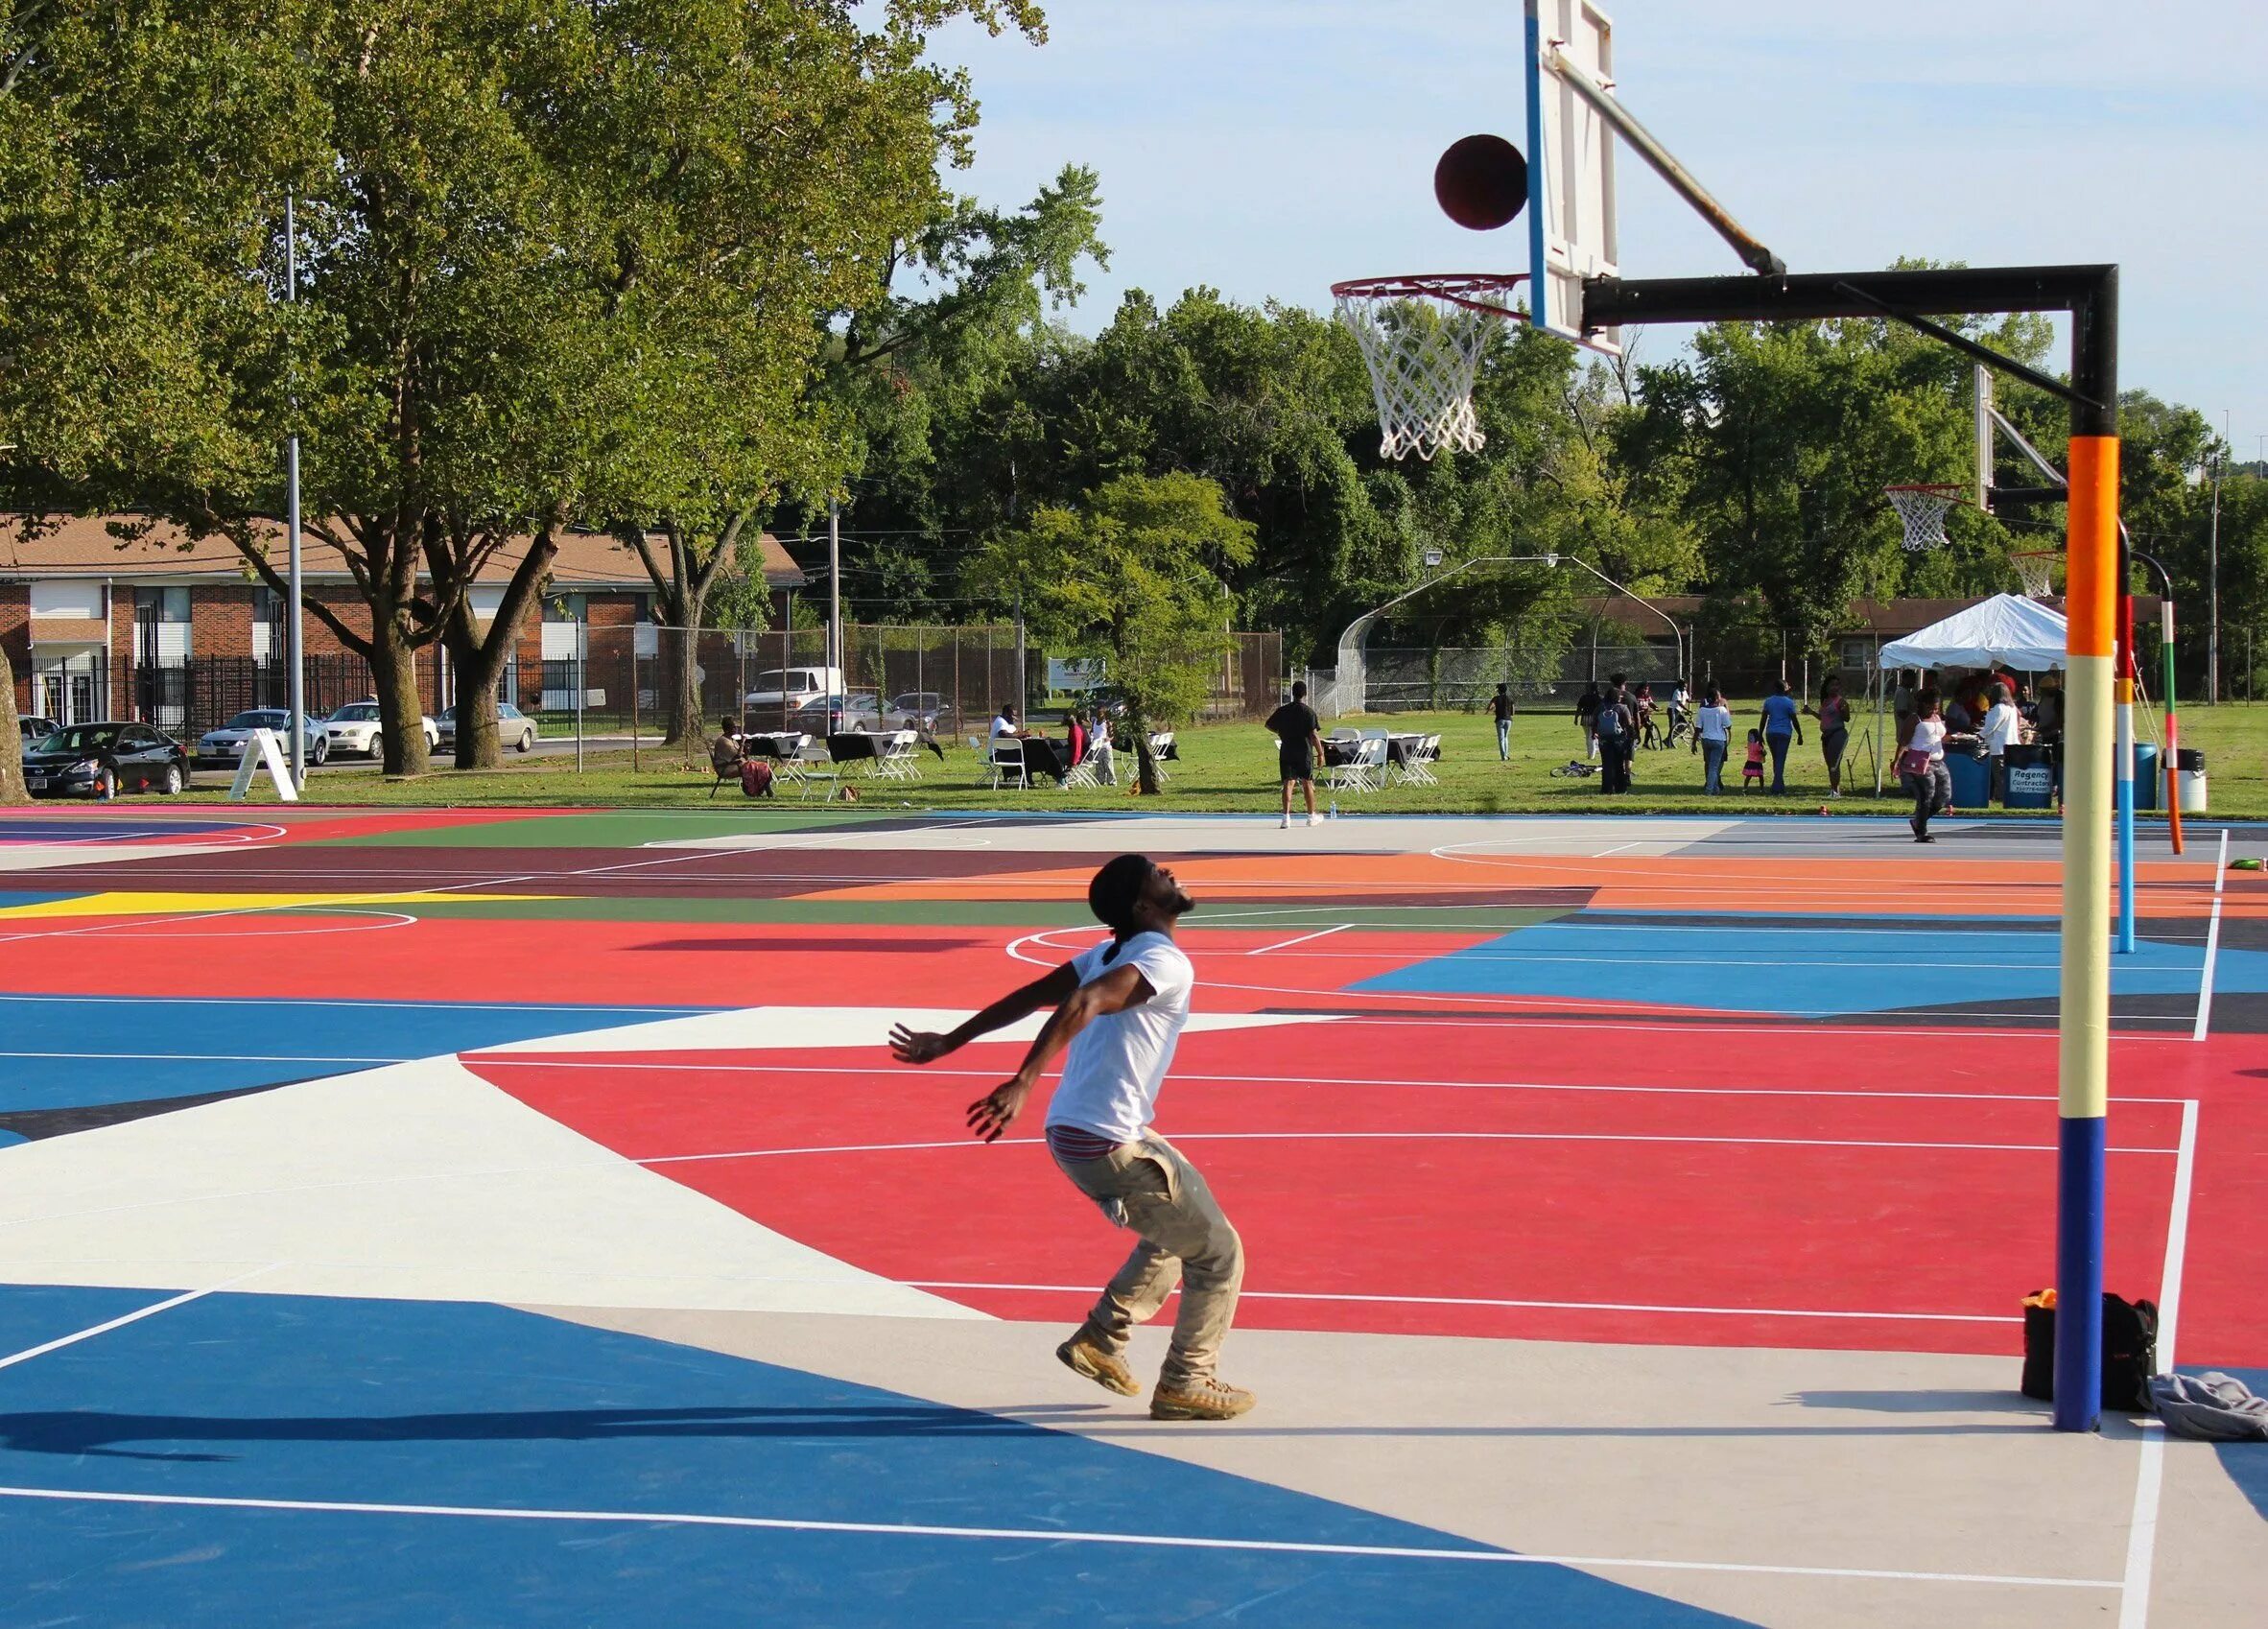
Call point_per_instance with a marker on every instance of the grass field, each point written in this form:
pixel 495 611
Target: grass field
pixel 1230 768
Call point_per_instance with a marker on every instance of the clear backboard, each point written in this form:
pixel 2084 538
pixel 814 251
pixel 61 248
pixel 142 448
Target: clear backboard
pixel 1571 172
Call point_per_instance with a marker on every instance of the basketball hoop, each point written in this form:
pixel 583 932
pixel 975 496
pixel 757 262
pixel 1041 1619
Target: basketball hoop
pixel 1920 510
pixel 2036 567
pixel 1422 337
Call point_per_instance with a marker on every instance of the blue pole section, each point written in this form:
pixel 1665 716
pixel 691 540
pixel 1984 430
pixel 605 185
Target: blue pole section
pixel 2122 765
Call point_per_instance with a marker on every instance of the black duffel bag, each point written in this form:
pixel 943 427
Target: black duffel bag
pixel 2130 1350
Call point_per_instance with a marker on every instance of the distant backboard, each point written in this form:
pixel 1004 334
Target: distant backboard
pixel 1571 172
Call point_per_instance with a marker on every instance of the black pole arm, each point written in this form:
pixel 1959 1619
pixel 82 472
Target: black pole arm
pixel 1611 302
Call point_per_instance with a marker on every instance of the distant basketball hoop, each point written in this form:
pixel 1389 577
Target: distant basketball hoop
pixel 1921 510
pixel 2035 568
pixel 1422 339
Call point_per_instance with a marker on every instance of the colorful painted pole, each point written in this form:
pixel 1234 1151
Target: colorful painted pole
pixel 2083 1052
pixel 2173 738
pixel 2122 763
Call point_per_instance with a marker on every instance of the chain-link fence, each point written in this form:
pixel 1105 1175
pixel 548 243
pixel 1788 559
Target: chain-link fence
pixel 1412 679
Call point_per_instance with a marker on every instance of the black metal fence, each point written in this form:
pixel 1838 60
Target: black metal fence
pixel 187 699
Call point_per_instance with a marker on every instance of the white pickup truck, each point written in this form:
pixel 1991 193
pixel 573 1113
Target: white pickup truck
pixel 790 688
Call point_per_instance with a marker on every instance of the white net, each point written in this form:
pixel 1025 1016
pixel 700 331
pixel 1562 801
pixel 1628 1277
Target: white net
pixel 1422 338
pixel 2035 569
pixel 1921 510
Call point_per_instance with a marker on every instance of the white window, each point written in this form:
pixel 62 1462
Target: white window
pixel 79 598
pixel 485 600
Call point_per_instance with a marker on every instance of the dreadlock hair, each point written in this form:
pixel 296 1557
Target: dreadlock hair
pixel 1112 894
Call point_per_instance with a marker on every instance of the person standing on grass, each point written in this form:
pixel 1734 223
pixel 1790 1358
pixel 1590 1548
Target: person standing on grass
pixel 1612 722
pixel 1921 765
pixel 1120 1007
pixel 1299 748
pixel 1587 720
pixel 2000 730
pixel 1713 729
pixel 1106 768
pixel 1499 708
pixel 1833 714
pixel 1781 722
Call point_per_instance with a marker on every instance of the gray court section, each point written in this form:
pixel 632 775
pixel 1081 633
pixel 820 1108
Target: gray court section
pixel 1855 1462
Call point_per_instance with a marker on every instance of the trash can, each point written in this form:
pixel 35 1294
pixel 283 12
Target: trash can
pixel 2031 778
pixel 2189 779
pixel 1973 780
pixel 2146 775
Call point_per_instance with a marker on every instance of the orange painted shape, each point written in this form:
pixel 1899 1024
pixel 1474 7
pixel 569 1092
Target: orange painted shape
pixel 2091 567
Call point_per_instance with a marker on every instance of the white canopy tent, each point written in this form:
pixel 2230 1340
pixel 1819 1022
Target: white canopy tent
pixel 2007 629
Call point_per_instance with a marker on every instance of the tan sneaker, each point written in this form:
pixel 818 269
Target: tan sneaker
pixel 1082 1356
pixel 1202 1398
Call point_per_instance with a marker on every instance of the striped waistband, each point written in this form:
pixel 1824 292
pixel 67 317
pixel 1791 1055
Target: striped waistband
pixel 1077 1143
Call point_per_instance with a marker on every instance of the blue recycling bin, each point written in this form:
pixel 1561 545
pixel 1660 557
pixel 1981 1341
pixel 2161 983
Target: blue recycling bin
pixel 2146 776
pixel 1973 780
pixel 2030 777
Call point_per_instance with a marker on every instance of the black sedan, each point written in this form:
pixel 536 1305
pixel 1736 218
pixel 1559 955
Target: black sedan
pixel 102 760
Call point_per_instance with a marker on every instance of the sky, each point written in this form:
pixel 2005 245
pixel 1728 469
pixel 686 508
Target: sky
pixel 1268 147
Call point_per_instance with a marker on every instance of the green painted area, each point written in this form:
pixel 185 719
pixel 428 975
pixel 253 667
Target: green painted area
pixel 613 828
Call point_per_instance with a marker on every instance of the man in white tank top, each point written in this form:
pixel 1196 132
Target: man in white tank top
pixel 1119 1007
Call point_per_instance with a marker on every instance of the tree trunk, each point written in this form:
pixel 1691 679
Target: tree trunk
pixel 12 762
pixel 681 701
pixel 1146 765
pixel 480 746
pixel 401 716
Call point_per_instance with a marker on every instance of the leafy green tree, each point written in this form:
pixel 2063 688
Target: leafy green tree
pixel 1130 579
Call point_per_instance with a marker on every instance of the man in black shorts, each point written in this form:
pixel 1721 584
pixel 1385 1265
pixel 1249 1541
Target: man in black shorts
pixel 1299 735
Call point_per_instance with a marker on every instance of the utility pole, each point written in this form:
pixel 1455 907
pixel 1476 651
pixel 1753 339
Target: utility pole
pixel 295 652
pixel 835 614
pixel 2212 580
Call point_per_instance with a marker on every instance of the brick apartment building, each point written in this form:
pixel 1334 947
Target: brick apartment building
pixel 97 628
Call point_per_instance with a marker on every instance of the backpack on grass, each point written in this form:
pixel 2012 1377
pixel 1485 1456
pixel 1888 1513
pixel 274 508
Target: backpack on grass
pixel 756 777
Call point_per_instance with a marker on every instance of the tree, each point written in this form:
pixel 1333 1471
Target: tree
pixel 1129 579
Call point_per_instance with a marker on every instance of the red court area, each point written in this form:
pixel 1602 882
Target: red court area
pixel 1506 1179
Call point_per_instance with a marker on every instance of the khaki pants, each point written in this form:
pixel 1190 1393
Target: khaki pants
pixel 1183 1237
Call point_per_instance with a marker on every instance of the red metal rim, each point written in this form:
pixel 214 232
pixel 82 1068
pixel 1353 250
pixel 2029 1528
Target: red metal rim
pixel 1458 288
pixel 1954 491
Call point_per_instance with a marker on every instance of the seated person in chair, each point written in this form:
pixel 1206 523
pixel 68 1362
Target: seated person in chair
pixel 725 751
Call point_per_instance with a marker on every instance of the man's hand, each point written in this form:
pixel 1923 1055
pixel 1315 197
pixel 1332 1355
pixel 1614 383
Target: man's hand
pixel 919 1045
pixel 997 1110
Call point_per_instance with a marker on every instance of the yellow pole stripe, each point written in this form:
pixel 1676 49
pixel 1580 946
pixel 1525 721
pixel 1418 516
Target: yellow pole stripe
pixel 2091 565
pixel 2084 1052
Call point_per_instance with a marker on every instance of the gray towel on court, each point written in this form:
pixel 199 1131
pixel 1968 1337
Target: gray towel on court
pixel 2211 1406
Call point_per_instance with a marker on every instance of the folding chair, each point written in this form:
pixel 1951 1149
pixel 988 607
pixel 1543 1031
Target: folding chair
pixel 1004 758
pixel 895 762
pixel 1161 743
pixel 1417 763
pixel 726 771
pixel 814 765
pixel 1082 773
pixel 1362 772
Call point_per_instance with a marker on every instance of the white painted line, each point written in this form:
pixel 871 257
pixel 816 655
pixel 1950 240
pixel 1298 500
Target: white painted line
pixel 2212 945
pixel 1287 944
pixel 1401 1137
pixel 624 1063
pixel 1250 1294
pixel 1046 1536
pixel 2142 1533
pixel 61 1341
pixel 1618 849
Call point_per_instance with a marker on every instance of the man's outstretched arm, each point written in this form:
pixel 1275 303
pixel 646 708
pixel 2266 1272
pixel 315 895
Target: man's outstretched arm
pixel 1050 989
pixel 1117 990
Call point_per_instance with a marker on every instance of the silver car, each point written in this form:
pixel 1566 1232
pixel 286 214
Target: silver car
pixel 516 729
pixel 225 745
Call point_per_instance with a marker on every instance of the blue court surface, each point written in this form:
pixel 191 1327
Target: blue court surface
pixel 281 1459
pixel 78 1051
pixel 1766 966
pixel 90 830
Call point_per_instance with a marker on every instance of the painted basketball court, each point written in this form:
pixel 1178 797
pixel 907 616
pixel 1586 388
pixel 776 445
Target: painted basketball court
pixel 515 1217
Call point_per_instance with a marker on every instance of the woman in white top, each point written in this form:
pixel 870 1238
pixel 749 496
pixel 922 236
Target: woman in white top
pixel 1922 764
pixel 2000 730
pixel 1712 730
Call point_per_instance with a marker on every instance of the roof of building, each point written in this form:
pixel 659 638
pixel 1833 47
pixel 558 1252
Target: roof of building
pixel 85 545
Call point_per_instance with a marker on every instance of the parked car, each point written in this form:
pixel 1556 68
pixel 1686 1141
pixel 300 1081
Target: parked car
pixel 517 729
pixel 924 708
pixel 33 728
pixel 91 760
pixel 224 746
pixel 356 727
pixel 794 687
pixel 855 711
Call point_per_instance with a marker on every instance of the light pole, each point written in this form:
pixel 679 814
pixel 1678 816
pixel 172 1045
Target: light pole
pixel 294 655
pixel 2213 581
pixel 1675 633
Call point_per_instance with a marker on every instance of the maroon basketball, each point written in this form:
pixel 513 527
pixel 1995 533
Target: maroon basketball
pixel 1482 183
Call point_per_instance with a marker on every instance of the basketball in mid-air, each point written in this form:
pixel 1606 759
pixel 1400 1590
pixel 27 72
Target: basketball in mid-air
pixel 1482 183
